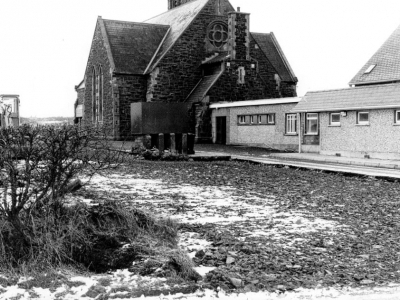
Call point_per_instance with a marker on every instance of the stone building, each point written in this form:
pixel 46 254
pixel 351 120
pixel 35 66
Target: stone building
pixel 197 53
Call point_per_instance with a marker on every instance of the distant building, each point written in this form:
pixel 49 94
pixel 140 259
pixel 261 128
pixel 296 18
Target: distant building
pixel 78 105
pixel 9 110
pixel 197 53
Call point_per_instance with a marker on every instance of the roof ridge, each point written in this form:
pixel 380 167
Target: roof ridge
pixel 171 9
pixel 106 40
pixel 141 23
pixel 356 88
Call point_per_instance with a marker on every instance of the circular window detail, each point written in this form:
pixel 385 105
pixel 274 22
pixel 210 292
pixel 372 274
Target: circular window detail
pixel 218 34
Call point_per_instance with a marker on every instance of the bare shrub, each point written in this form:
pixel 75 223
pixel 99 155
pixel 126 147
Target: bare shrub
pixel 38 165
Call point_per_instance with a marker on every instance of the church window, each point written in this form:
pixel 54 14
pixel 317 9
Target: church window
pixel 94 87
pixel 100 95
pixel 218 34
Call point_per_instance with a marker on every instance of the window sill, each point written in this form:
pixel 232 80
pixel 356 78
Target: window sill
pixel 332 125
pixel 366 124
pixel 396 124
pixel 314 134
pixel 291 134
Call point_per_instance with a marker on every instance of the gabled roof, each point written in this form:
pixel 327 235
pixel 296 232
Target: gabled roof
pixel 364 97
pixel 387 61
pixel 131 45
pixel 271 48
pixel 81 85
pixel 178 18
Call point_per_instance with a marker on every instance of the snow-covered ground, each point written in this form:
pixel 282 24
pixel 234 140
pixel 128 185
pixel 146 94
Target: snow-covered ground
pixel 250 214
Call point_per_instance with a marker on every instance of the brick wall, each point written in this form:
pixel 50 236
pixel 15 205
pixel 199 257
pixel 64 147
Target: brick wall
pixel 379 139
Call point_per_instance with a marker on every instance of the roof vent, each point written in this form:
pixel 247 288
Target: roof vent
pixel 369 70
pixel 238 9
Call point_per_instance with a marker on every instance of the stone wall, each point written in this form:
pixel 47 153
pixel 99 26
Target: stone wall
pixel 379 139
pixel 272 136
pixel 127 89
pixel 98 57
pixel 180 70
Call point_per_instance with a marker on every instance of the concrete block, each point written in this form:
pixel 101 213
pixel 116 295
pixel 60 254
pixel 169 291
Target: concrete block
pixel 172 143
pixel 184 144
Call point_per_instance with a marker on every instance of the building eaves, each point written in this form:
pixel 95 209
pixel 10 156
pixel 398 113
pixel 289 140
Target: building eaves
pixel 274 101
pixel 363 97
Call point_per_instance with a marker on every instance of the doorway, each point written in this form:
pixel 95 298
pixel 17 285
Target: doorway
pixel 221 130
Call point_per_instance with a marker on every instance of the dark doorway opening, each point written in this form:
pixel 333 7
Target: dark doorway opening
pixel 221 130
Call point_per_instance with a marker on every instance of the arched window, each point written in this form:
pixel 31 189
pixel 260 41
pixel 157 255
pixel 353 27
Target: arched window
pixel 101 96
pixel 94 92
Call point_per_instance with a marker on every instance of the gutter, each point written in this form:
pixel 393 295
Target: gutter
pixel 346 108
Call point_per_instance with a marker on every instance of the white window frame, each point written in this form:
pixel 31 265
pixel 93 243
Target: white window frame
pixel 291 124
pixel 271 119
pixel 397 116
pixel 358 118
pixel 316 117
pixel 252 119
pixel 259 119
pixel 242 120
pixel 333 123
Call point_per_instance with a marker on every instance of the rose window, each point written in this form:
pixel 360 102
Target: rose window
pixel 218 34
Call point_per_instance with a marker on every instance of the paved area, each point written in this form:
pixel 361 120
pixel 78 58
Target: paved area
pixel 380 163
pixel 367 167
pixel 362 166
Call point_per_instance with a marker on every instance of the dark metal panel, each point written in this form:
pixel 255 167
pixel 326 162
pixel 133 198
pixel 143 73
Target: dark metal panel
pixel 153 118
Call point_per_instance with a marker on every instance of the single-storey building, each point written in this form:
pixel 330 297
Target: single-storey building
pixel 360 121
pixel 265 123
pixel 356 122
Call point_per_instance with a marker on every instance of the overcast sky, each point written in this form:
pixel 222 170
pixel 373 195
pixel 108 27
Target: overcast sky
pixel 44 44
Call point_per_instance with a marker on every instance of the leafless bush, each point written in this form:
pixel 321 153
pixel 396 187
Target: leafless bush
pixel 38 165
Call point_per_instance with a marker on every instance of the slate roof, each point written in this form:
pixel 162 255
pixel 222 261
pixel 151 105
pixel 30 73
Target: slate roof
pixel 387 61
pixel 364 97
pixel 178 18
pixel 132 45
pixel 202 88
pixel 219 57
pixel 271 48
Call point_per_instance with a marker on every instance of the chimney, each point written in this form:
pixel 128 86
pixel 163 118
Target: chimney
pixel 239 35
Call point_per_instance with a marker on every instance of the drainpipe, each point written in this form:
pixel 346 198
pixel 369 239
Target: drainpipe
pixel 299 131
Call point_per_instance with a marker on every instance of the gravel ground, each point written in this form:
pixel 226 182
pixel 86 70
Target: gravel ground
pixel 263 230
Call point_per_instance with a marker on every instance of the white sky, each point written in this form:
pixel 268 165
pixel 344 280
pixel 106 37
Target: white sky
pixel 44 44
